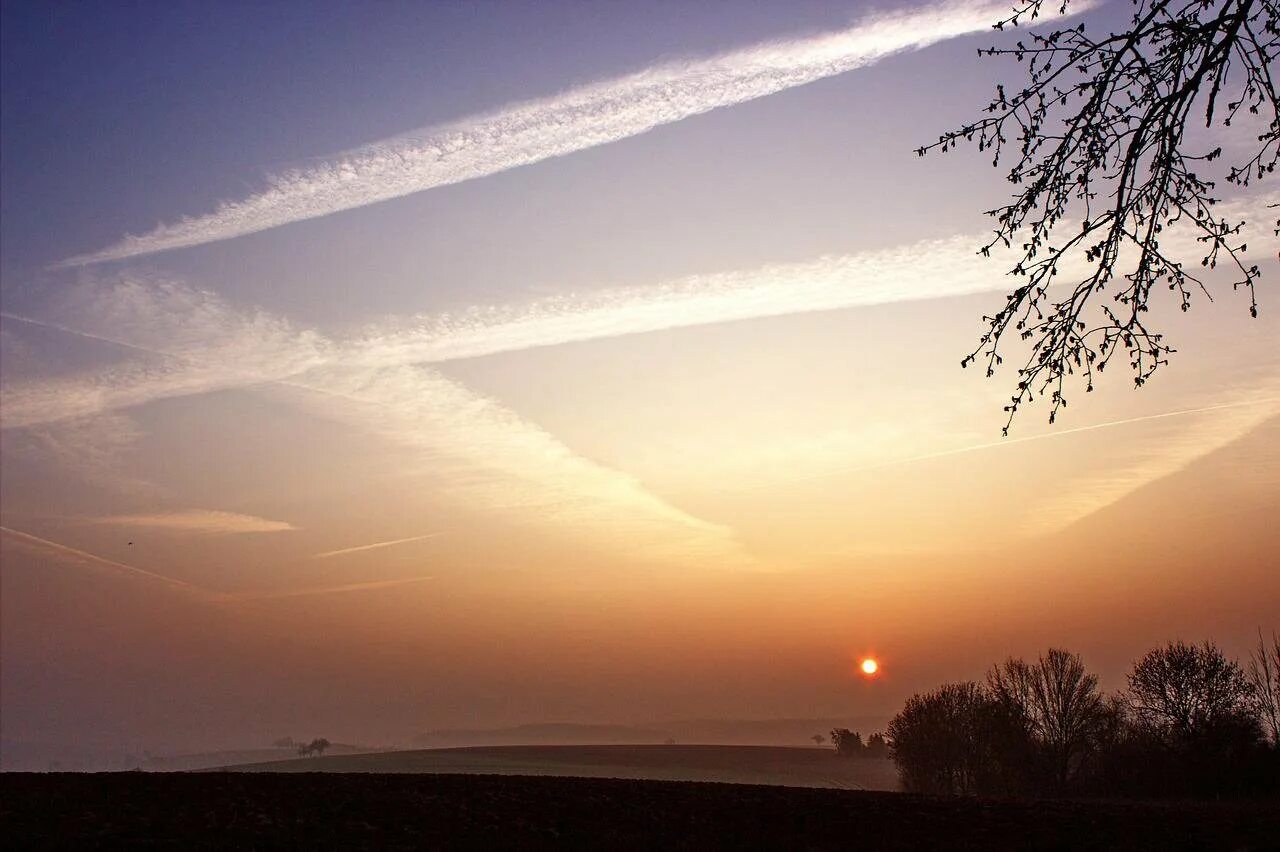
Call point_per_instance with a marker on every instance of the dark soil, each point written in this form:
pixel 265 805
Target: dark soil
pixel 257 811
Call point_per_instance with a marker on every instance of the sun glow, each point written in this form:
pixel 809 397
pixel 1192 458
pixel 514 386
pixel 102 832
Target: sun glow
pixel 869 667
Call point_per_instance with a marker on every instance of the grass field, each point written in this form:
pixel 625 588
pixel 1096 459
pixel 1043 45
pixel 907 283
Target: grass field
pixel 335 810
pixel 791 767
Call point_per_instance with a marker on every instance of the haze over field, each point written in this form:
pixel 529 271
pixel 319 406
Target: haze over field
pixel 626 391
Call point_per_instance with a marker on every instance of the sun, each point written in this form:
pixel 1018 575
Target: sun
pixel 869 667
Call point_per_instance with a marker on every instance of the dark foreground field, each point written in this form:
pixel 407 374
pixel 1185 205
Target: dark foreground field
pixel 492 811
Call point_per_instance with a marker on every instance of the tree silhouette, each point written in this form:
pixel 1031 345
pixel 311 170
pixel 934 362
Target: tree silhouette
pixel 1264 677
pixel 316 746
pixel 946 741
pixel 1059 707
pixel 848 743
pixel 1102 165
pixel 1183 691
pixel 1190 724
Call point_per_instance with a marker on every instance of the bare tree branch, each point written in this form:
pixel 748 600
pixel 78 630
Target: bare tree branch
pixel 1103 167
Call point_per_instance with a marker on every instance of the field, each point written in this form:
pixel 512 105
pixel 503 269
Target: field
pixel 337 810
pixel 792 767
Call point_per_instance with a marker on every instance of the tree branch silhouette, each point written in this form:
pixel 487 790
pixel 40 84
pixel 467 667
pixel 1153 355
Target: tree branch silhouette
pixel 1098 139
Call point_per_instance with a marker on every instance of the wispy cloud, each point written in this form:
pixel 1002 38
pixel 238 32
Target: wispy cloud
pixel 574 120
pixel 96 448
pixel 199 521
pixel 179 341
pixel 375 546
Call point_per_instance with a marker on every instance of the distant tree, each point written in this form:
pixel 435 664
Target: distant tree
pixel 1182 691
pixel 818 739
pixel 316 746
pixel 848 743
pixel 1059 709
pixel 877 746
pixel 946 741
pixel 1264 677
pixel 285 742
pixel 1103 166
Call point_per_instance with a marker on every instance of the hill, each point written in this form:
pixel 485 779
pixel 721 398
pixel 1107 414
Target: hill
pixel 780 732
pixel 792 767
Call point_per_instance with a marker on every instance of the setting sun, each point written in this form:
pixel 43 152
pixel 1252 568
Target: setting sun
pixel 870 667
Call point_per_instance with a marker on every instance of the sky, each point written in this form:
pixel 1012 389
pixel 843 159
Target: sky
pixel 371 370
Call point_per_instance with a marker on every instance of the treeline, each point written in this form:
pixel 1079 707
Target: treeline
pixel 849 744
pixel 1191 723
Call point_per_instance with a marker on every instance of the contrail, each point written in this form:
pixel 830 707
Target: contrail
pixel 490 456
pixel 67 552
pixel 575 120
pixel 199 521
pixel 1007 442
pixel 116 567
pixel 232 355
pixel 484 454
pixel 325 590
pixel 375 545
pixel 221 348
pixel 1084 494
pixel 927 269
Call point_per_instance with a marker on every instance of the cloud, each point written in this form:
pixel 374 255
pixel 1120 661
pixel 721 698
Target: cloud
pixel 96 448
pixel 575 120
pixel 199 521
pixel 375 546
